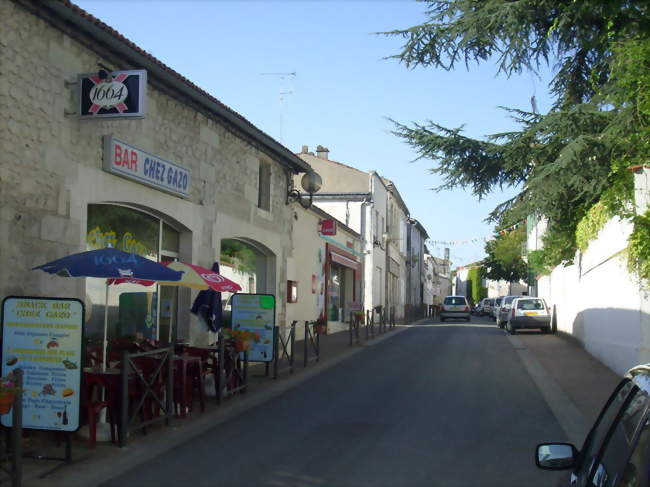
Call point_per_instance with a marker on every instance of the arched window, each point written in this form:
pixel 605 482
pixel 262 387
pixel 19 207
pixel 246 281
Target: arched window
pixel 134 310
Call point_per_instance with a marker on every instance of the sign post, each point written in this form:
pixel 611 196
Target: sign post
pixel 43 337
pixel 255 312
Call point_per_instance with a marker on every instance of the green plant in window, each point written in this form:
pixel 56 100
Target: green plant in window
pixel 239 255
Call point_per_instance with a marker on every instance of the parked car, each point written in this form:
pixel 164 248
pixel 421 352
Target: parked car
pixel 495 307
pixel 487 304
pixel 455 307
pixel 616 451
pixel 527 312
pixel 504 310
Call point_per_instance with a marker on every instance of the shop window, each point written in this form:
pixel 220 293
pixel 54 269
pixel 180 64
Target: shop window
pixel 292 292
pixel 264 189
pixel 133 310
pixel 170 239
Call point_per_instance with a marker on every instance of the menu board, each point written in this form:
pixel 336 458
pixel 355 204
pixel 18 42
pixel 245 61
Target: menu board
pixel 42 337
pixel 255 312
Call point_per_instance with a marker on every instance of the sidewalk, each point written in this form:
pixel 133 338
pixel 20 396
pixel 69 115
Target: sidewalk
pixel 585 380
pixel 91 467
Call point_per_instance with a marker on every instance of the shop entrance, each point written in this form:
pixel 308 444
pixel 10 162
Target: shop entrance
pixel 134 311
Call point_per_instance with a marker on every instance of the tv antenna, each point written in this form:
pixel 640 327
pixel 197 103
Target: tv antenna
pixel 284 91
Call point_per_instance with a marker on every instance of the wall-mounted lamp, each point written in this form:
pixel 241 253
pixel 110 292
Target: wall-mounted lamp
pixel 311 182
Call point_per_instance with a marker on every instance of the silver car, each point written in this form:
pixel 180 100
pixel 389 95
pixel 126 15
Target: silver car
pixel 504 310
pixel 455 307
pixel 495 307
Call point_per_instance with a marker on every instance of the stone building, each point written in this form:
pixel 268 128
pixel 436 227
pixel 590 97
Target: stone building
pixel 65 186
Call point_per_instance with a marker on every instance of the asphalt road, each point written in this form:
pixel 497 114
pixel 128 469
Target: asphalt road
pixel 436 405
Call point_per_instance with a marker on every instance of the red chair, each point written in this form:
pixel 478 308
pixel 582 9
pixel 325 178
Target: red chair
pixel 189 380
pixel 94 390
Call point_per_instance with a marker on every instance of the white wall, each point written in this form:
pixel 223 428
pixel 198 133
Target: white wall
pixel 599 302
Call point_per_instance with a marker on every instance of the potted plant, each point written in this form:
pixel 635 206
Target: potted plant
pixel 8 391
pixel 360 316
pixel 320 325
pixel 242 338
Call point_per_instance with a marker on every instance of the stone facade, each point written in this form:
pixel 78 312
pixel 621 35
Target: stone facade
pixel 51 165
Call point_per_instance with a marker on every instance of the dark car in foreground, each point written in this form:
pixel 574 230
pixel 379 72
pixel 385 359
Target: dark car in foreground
pixel 616 451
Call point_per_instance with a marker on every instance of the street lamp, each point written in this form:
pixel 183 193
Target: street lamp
pixel 311 182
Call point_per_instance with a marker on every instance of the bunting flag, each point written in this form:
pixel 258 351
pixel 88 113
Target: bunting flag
pixel 452 243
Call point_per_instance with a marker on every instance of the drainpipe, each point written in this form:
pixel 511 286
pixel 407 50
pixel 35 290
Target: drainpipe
pixel 364 245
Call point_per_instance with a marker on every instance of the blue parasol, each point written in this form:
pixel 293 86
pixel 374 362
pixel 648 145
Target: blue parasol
pixel 109 263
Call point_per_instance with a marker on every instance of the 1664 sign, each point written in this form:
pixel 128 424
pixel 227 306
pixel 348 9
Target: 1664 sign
pixel 116 94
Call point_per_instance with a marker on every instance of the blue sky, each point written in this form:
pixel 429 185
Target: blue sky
pixel 343 91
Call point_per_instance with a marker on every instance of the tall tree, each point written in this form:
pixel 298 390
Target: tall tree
pixel 563 161
pixel 503 260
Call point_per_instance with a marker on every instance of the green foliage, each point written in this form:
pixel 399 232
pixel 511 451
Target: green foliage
pixel 476 291
pixel 504 259
pixel 638 249
pixel 238 254
pixel 565 161
pixel 525 34
pixel 591 224
pixel 537 262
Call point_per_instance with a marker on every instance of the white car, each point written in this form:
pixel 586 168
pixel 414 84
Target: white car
pixel 455 307
pixel 528 312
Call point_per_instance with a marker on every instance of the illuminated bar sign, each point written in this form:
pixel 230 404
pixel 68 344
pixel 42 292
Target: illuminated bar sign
pixel 120 94
pixel 42 337
pixel 132 163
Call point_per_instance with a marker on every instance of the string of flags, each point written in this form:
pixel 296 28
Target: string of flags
pixel 503 231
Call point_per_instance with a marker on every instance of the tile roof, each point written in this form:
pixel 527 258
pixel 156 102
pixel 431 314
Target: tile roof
pixel 81 13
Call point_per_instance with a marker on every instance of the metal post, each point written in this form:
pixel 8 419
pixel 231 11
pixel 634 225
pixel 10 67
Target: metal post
pixel 350 329
pixel 170 385
pixel 16 433
pixel 276 351
pixel 305 347
pixel 245 375
pixel 221 371
pixel 293 342
pixel 124 416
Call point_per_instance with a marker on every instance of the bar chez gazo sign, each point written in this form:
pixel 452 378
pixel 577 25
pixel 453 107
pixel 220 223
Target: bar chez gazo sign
pixel 130 162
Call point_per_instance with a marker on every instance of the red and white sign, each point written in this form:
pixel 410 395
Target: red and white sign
pixel 130 162
pixel 327 227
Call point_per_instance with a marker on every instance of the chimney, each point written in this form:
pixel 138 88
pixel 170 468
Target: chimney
pixel 322 152
pixel 305 149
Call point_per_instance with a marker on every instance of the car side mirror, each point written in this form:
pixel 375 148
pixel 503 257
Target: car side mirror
pixel 556 456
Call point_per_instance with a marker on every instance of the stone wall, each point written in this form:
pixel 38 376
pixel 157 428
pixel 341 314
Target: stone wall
pixel 51 164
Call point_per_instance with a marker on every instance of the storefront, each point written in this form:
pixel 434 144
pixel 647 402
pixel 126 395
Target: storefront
pixel 139 159
pixel 343 273
pixel 134 310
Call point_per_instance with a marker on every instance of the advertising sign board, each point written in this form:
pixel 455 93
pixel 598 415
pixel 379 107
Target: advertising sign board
pixel 256 312
pixel 110 95
pixel 130 162
pixel 327 227
pixel 43 337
